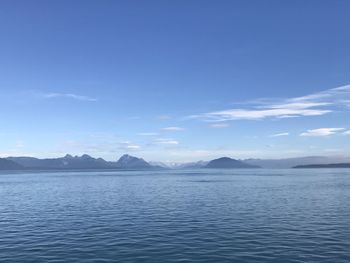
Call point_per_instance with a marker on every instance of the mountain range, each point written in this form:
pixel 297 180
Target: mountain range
pixel 73 162
pixel 128 162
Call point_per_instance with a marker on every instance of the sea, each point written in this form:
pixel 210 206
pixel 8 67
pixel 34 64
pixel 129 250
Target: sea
pixel 206 215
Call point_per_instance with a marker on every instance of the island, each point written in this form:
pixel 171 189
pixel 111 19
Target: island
pixel 331 165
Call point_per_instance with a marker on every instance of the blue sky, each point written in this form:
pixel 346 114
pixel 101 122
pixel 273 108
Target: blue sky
pixel 175 80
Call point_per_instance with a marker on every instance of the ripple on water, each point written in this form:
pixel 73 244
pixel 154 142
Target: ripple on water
pixel 197 216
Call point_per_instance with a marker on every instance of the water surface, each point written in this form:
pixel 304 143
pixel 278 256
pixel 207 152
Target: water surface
pixel 176 216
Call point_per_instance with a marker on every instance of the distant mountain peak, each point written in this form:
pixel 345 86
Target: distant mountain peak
pixel 86 156
pixel 225 159
pixel 126 157
pixel 130 162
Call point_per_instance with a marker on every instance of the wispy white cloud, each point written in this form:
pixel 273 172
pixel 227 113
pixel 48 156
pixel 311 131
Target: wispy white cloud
pixel 280 134
pixel 322 132
pixel 163 117
pixel 166 141
pixel 133 147
pixel 347 132
pixel 148 134
pixel 282 111
pixel 126 145
pixel 68 96
pixel 19 144
pixel 316 104
pixel 218 125
pixel 173 129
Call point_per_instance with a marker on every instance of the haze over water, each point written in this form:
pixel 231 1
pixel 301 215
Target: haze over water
pixel 176 216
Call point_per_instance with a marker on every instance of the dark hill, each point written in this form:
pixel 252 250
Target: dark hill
pixel 9 165
pixel 226 162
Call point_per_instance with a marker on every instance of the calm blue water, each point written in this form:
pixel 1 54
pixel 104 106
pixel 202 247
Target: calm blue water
pixel 176 216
